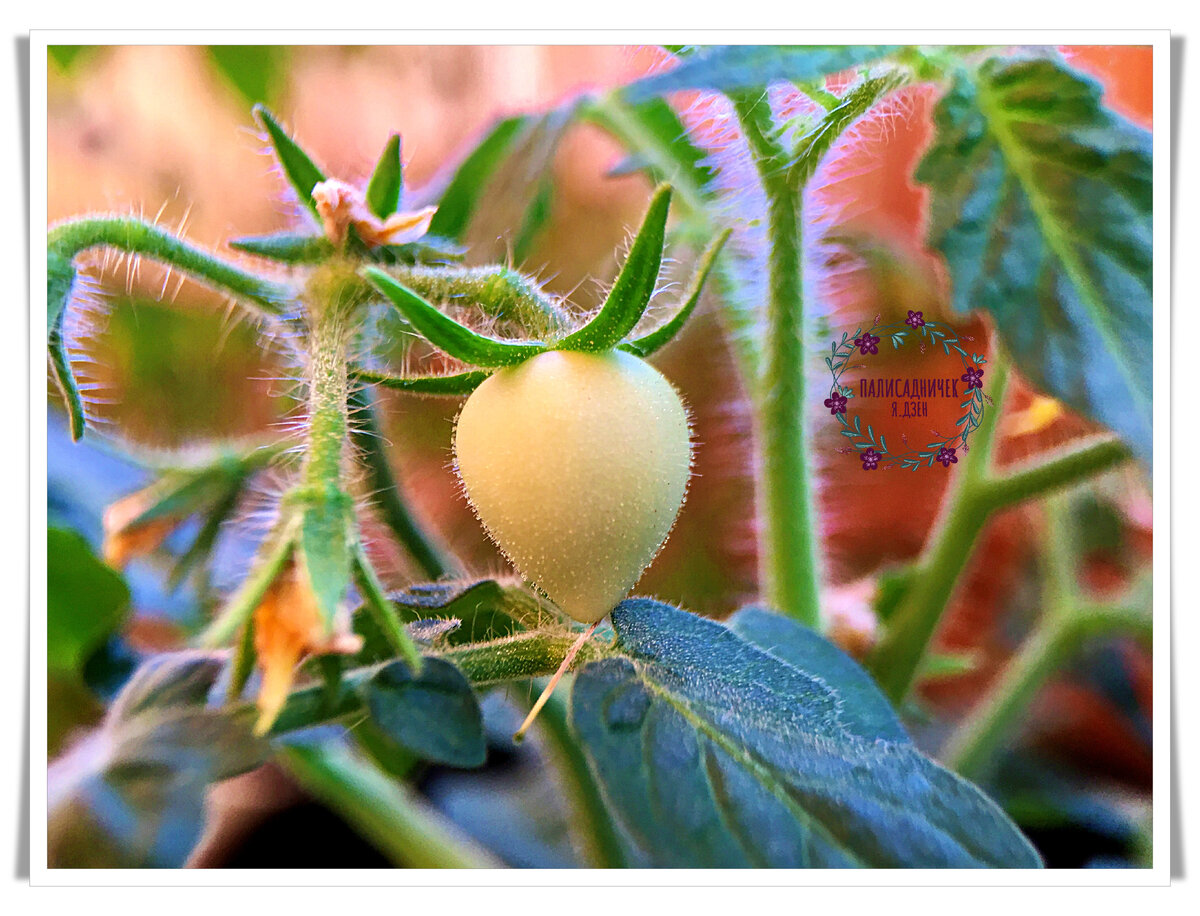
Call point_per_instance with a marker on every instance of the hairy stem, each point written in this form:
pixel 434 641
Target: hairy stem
pixel 500 292
pixel 134 236
pixel 791 570
pixel 406 829
pixel 973 749
pixel 966 510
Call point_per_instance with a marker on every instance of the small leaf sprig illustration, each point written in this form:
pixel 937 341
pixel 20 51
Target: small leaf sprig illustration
pixel 872 450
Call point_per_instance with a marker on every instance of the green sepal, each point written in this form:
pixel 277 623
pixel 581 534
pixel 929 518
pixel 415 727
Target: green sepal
pixel 446 333
pixel 444 385
pixel 287 247
pixel 64 378
pixel 627 300
pixel 659 337
pixel 325 550
pixel 387 181
pixel 299 169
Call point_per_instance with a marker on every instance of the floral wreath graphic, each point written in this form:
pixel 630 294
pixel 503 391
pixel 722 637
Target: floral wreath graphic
pixel 872 451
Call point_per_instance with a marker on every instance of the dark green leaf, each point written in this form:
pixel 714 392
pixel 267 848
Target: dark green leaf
pixel 716 753
pixel 288 247
pixel 627 300
pixel 387 181
pixel 1042 207
pixel 446 333
pixel 252 69
pixel 730 67
pixel 864 707
pixel 434 714
pixel 484 608
pixel 462 194
pixel 299 169
pixel 659 337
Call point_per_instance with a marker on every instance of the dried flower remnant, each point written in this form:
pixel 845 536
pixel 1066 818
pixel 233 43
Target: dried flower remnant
pixel 288 627
pixel 342 206
pixel 127 535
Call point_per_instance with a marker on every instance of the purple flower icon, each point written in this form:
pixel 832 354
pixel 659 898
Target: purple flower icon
pixel 870 459
pixel 915 319
pixel 973 378
pixel 836 402
pixel 868 343
pixel 946 456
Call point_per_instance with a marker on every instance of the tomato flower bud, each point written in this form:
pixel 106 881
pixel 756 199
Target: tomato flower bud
pixel 287 627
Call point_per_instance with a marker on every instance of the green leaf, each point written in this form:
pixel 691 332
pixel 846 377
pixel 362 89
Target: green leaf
pixel 716 753
pixel 627 300
pixel 446 333
pixel 659 337
pixel 253 70
pixel 458 385
pixel 287 247
pixel 1041 205
pixel 467 185
pixel 326 551
pixel 299 169
pixel 726 68
pixel 864 707
pixel 387 181
pixel 85 601
pixel 434 714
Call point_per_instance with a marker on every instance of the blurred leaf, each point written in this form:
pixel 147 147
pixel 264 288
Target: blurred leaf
pixel 469 180
pixel 298 168
pixel 668 153
pixel 433 715
pixel 253 70
pixel 387 181
pixel 536 216
pixel 1041 205
pixel 726 68
pixel 85 602
pixel 66 55
pixel 718 754
pixel 132 794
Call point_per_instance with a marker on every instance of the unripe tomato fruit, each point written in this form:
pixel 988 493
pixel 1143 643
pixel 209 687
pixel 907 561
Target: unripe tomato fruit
pixel 577 464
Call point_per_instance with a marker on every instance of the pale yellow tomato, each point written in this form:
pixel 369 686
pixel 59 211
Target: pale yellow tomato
pixel 577 464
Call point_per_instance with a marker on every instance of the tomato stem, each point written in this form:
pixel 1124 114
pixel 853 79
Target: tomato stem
pixel 790 565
